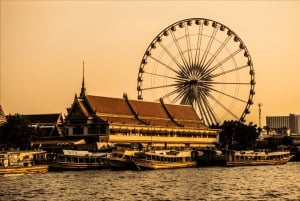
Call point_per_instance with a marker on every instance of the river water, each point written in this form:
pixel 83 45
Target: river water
pixel 280 182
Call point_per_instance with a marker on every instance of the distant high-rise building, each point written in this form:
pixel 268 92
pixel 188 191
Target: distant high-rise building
pixel 291 122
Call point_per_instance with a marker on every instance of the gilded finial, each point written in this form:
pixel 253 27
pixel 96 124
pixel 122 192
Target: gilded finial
pixel 82 92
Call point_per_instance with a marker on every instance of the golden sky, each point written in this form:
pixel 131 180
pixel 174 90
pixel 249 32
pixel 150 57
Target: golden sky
pixel 43 45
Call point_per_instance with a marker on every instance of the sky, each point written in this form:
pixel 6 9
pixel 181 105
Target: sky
pixel 43 45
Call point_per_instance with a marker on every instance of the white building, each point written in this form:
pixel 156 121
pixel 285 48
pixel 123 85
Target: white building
pixel 289 123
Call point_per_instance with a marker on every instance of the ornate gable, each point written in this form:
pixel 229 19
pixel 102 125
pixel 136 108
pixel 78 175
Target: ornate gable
pixel 78 113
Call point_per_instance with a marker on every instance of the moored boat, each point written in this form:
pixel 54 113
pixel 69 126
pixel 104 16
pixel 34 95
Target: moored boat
pixel 166 159
pixel 22 162
pixel 247 158
pixel 123 160
pixel 211 158
pixel 79 160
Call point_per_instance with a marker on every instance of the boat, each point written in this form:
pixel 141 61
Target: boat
pixel 247 158
pixel 124 160
pixel 167 159
pixel 79 160
pixel 22 162
pixel 211 158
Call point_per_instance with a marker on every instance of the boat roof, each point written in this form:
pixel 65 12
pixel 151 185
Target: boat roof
pixel 68 152
pixel 260 153
pixel 170 153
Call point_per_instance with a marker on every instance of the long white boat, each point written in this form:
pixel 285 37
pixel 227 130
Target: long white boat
pixel 79 160
pixel 22 162
pixel 247 158
pixel 166 159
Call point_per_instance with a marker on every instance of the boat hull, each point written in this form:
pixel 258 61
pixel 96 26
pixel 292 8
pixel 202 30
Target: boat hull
pixel 252 158
pixel 211 162
pixel 167 159
pixel 258 162
pixel 211 158
pixel 24 170
pixel 155 165
pixel 64 166
pixel 122 164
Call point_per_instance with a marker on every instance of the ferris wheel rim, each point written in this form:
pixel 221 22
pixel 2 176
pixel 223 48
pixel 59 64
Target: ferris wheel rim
pixel 187 22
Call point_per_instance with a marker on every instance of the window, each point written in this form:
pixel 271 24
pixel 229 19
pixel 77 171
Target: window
pixel 78 130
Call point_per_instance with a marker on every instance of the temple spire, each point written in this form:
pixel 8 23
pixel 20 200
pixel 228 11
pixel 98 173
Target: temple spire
pixel 82 92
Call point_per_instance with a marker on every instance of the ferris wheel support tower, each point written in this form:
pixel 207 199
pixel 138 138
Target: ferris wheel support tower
pixel 259 114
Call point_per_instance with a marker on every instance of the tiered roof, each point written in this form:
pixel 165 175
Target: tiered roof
pixel 43 118
pixel 133 112
pixel 136 112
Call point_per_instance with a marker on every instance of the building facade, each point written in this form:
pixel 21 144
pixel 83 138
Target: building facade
pixel 291 123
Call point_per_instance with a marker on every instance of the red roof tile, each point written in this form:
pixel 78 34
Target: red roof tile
pixel 109 105
pixel 123 111
pixel 148 109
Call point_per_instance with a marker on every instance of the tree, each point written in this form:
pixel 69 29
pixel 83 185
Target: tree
pixel 246 136
pixel 236 135
pixel 15 132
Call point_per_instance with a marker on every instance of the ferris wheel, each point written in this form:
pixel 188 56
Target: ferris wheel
pixel 199 62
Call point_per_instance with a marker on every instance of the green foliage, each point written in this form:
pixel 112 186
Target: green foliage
pixel 15 132
pixel 237 136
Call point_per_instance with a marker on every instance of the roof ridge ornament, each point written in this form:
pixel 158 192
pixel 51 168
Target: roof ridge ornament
pixel 136 115
pixel 168 113
pixel 83 89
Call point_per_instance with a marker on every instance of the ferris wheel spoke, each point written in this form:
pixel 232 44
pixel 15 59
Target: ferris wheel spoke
pixel 179 50
pixel 212 116
pixel 158 87
pixel 224 107
pixel 211 40
pixel 209 71
pixel 234 83
pixel 213 57
pixel 181 97
pixel 170 94
pixel 203 111
pixel 184 99
pixel 207 112
pixel 163 76
pixel 229 71
pixel 185 95
pixel 199 40
pixel 188 42
pixel 162 63
pixel 182 69
pixel 230 96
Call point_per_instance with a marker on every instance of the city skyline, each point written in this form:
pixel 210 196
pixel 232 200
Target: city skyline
pixel 43 45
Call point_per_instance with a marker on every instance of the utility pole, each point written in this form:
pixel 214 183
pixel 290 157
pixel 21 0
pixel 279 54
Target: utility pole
pixel 259 114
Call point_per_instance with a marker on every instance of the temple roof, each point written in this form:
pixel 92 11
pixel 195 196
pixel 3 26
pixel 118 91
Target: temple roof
pixel 107 105
pixel 124 111
pixel 43 118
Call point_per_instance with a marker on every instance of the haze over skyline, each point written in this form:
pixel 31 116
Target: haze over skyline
pixel 43 45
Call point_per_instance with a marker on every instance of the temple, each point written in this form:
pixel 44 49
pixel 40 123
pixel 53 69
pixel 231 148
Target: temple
pixel 121 120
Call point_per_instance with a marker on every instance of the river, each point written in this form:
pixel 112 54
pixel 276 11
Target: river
pixel 280 182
